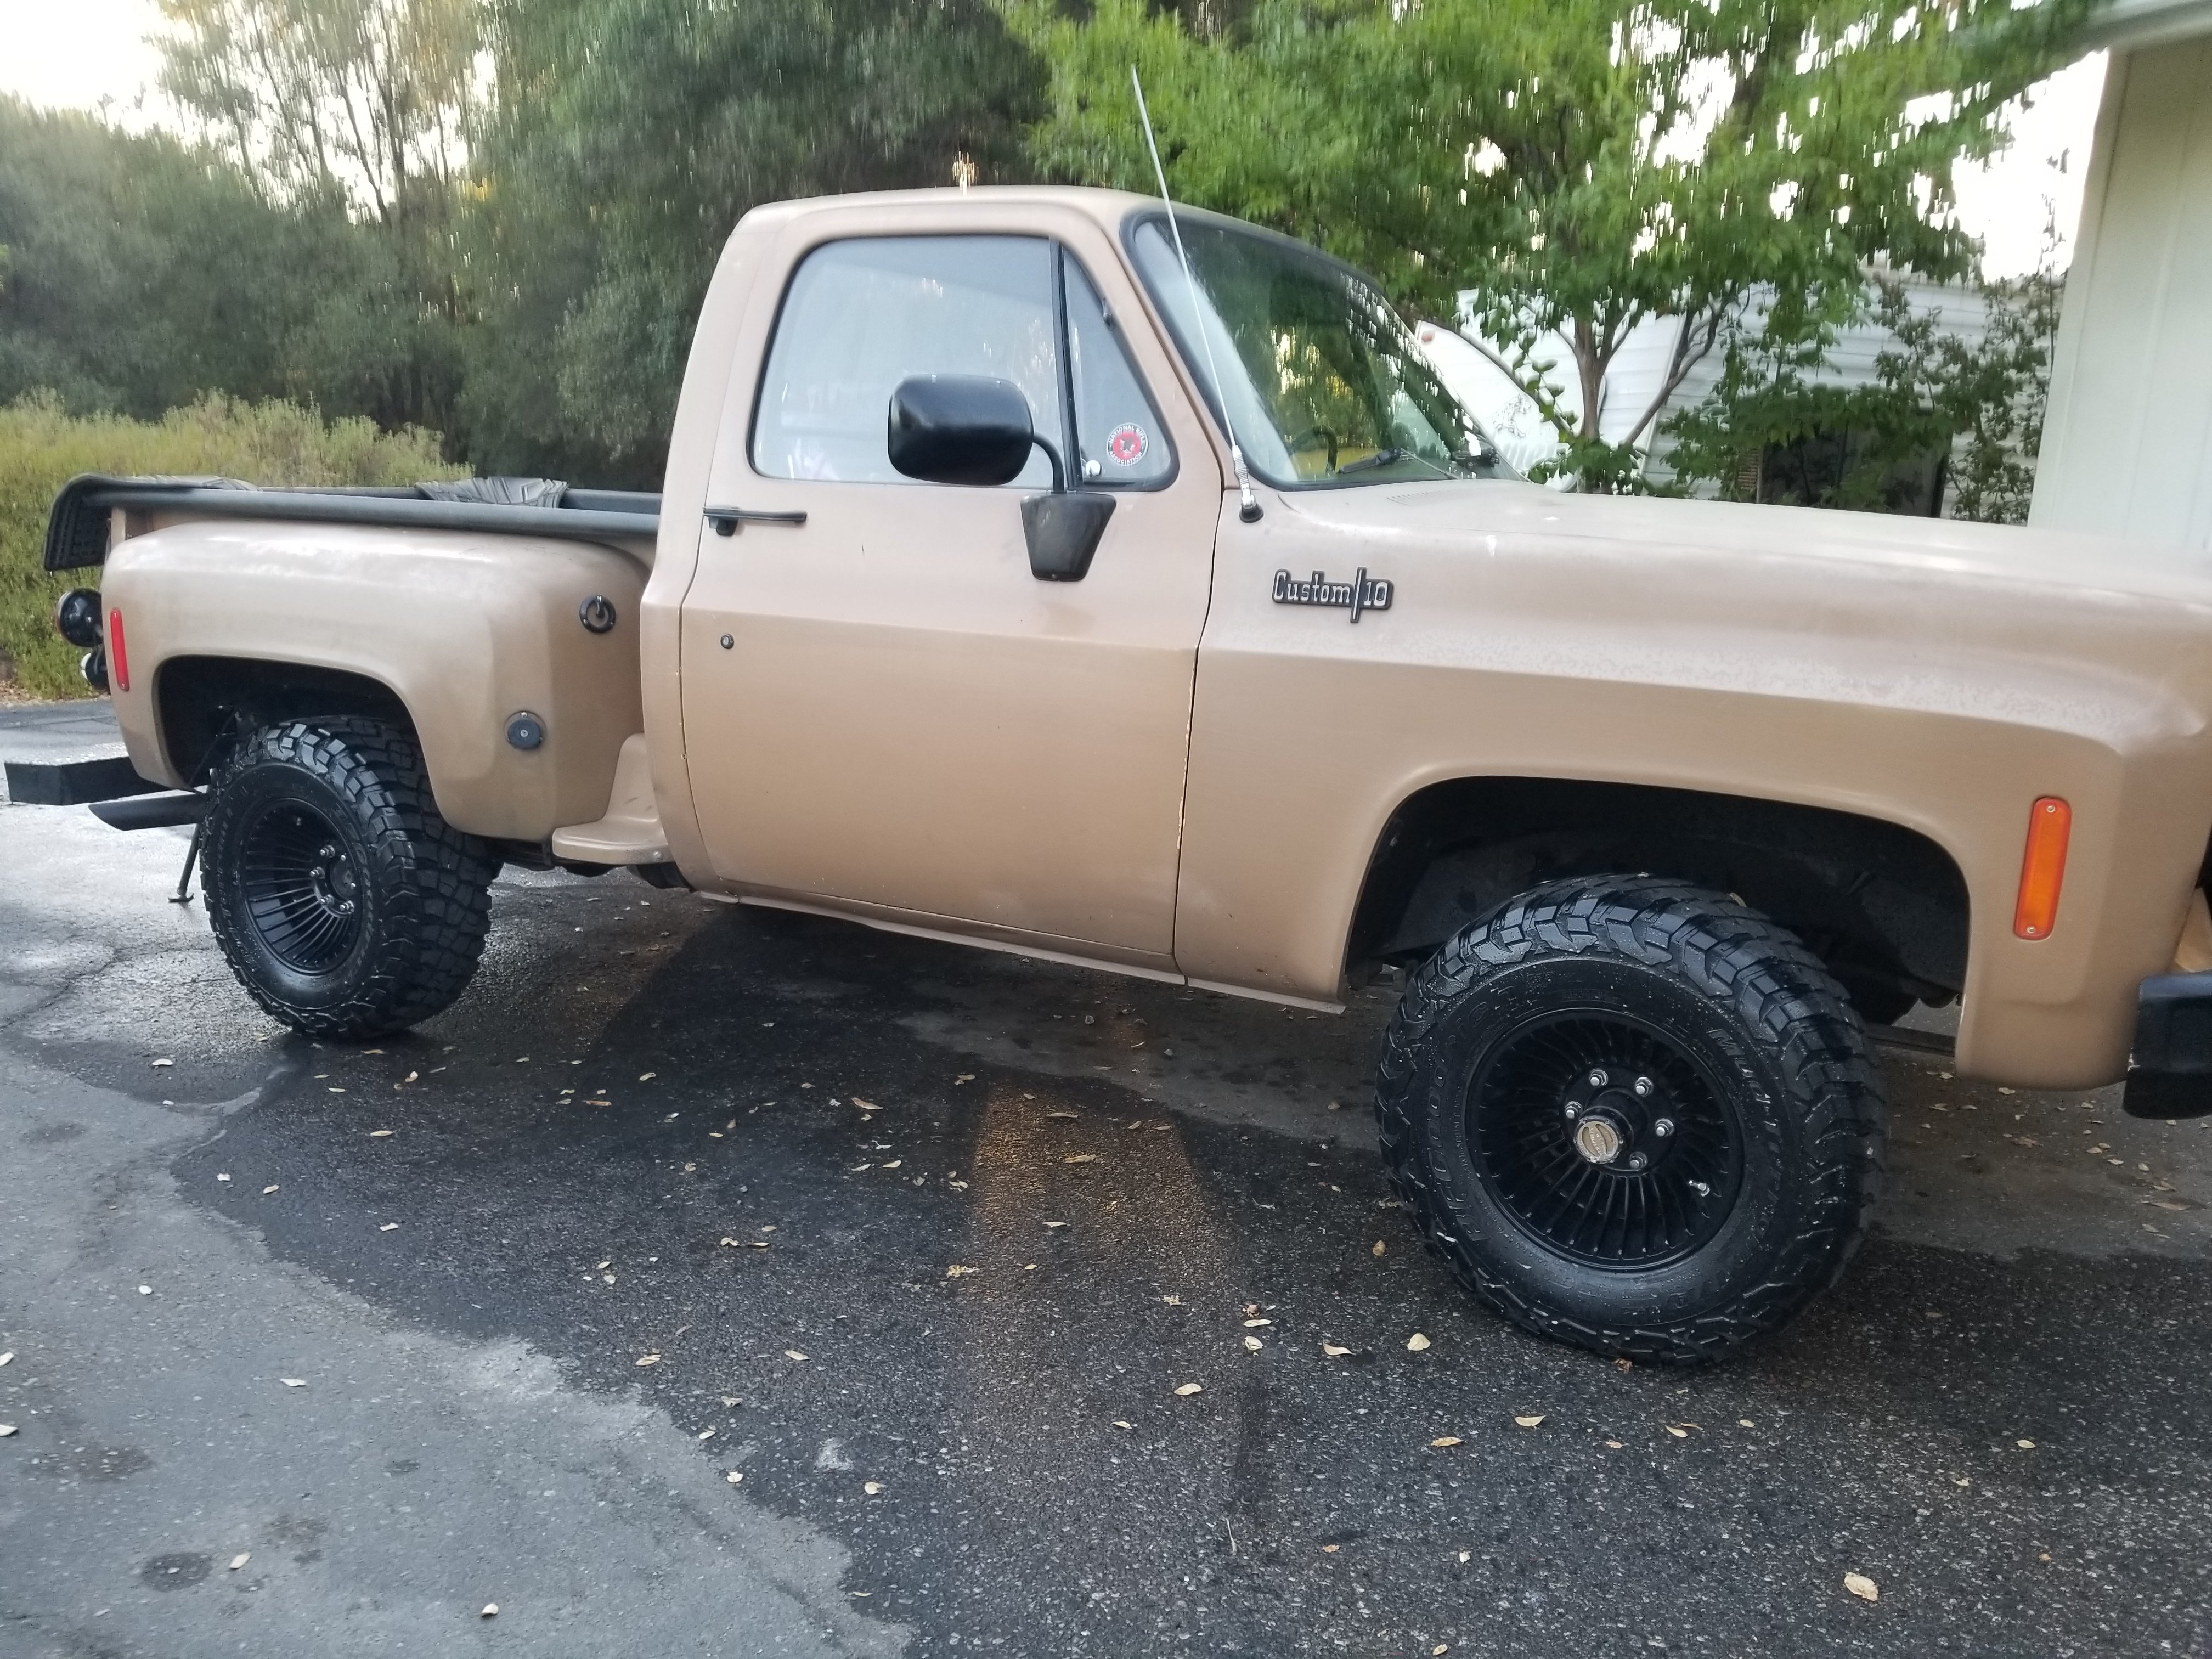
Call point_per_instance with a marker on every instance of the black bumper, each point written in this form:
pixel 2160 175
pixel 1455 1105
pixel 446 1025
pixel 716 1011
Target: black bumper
pixel 2170 1074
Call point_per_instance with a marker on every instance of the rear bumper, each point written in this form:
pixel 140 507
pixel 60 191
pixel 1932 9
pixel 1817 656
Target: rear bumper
pixel 2170 1072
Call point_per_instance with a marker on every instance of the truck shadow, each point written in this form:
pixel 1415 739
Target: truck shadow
pixel 680 1168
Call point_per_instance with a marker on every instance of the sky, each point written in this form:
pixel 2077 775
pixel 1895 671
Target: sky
pixel 83 54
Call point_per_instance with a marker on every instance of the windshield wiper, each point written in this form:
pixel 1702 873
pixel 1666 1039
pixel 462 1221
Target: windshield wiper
pixel 1386 457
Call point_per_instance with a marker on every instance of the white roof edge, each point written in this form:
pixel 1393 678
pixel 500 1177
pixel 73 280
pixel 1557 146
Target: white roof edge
pixel 2130 24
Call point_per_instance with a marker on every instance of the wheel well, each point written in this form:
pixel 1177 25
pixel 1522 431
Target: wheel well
pixel 1883 906
pixel 200 698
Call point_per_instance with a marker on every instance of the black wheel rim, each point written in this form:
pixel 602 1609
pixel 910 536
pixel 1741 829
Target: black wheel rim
pixel 301 886
pixel 1606 1141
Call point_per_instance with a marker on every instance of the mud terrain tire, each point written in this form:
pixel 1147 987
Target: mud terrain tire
pixel 1534 1060
pixel 347 907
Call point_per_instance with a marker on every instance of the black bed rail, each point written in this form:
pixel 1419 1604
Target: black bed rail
pixel 77 527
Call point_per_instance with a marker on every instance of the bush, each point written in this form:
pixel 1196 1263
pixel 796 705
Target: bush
pixel 41 449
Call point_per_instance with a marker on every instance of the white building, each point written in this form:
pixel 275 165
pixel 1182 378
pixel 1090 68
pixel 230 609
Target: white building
pixel 1639 370
pixel 2127 444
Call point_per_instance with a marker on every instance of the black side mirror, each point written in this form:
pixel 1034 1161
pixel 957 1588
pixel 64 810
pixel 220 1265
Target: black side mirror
pixel 973 429
pixel 960 430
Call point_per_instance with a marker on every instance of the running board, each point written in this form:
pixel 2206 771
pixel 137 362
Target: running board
pixel 161 811
pixel 1919 1043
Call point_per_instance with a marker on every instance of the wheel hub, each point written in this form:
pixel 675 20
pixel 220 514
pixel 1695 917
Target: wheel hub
pixel 1603 1139
pixel 302 888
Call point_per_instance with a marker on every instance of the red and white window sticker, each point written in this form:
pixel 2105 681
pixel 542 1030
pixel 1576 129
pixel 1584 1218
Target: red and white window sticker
pixel 1127 444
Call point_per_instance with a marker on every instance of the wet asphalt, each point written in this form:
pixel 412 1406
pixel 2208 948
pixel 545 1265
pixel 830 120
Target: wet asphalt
pixel 921 1243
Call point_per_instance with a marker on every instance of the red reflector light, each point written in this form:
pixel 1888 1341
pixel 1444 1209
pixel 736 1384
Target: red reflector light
pixel 2043 867
pixel 118 659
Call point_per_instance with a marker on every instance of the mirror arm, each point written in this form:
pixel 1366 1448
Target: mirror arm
pixel 1059 471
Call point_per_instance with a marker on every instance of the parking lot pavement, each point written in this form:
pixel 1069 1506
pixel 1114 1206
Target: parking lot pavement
pixel 921 1243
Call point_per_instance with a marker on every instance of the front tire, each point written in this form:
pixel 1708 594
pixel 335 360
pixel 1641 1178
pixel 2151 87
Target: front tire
pixel 1634 1116
pixel 345 904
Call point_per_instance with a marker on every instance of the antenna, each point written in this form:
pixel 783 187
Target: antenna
pixel 1248 506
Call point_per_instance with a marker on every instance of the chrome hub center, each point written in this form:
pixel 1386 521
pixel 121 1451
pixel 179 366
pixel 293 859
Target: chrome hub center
pixel 1597 1139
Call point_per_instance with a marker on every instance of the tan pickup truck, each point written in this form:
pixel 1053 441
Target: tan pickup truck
pixel 1020 581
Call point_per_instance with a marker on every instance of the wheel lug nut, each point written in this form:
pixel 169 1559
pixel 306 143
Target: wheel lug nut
pixel 1643 1086
pixel 1573 1110
pixel 1597 1079
pixel 1637 1160
pixel 1665 1126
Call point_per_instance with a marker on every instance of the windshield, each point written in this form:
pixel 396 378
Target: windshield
pixel 1325 385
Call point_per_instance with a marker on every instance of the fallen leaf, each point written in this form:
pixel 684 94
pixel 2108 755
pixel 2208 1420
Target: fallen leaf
pixel 1441 1647
pixel 649 1359
pixel 1070 1115
pixel 1417 1343
pixel 293 1381
pixel 1332 1351
pixel 269 1189
pixel 646 1077
pixel 871 1487
pixel 6 1358
pixel 1613 1444
pixel 958 1271
pixel 731 1400
pixel 6 1428
pixel 379 1134
pixel 1863 1587
pixel 490 1610
pixel 1679 1434
pixel 1961 1480
pixel 1379 1247
pixel 794 1353
pixel 240 1559
pixel 389 1227
pixel 965 1076
pixel 1330 1549
pixel 734 1243
pixel 164 1063
pixel 1254 1324
pixel 145 1289
pixel 2025 1445
pixel 1056 1223
pixel 1624 1364
pixel 1119 1423
pixel 1188 1388
pixel 734 1477
pixel 894 1163
pixel 1080 1157
pixel 757 1243
pixel 1252 1343
pixel 1745 1423
pixel 1466 1556
pixel 2165 1204
pixel 1444 1440
pixel 864 1105
pixel 1529 1422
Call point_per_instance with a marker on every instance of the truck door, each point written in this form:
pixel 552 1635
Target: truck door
pixel 884 711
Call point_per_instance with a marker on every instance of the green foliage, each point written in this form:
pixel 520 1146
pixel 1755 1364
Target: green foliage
pixel 629 137
pixel 42 446
pixel 1580 165
pixel 1979 402
pixel 141 273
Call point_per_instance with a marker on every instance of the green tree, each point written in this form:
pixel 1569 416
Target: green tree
pixel 362 107
pixel 626 138
pixel 142 272
pixel 1578 167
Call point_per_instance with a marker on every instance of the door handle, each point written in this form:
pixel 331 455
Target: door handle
pixel 726 519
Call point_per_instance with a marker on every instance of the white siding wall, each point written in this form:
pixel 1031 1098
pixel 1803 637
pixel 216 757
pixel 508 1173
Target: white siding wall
pixel 1640 370
pixel 2127 447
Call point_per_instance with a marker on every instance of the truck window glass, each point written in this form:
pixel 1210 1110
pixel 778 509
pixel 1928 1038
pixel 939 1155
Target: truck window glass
pixel 863 315
pixel 1118 433
pixel 1325 383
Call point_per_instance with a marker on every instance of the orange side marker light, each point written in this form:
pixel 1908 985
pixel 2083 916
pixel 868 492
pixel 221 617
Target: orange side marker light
pixel 2043 867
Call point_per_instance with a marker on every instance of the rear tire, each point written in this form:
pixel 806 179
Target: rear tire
pixel 345 904
pixel 1634 1116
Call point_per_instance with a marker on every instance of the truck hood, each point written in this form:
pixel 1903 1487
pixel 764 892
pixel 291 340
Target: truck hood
pixel 1479 516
